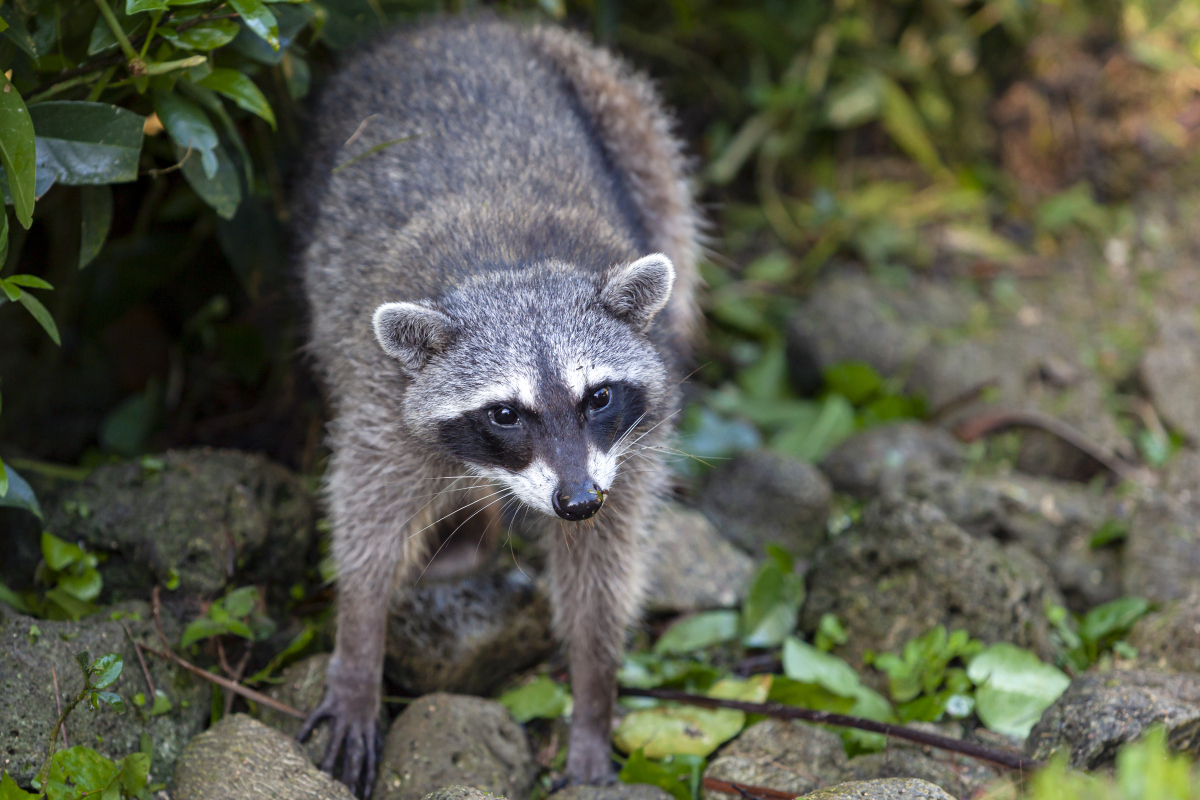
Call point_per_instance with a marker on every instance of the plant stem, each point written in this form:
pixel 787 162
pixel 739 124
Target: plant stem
pixel 119 32
pixel 154 19
pixel 59 87
pixel 44 772
pixel 99 88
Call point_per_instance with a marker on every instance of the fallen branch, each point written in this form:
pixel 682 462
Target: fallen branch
pixel 747 791
pixel 1003 758
pixel 224 683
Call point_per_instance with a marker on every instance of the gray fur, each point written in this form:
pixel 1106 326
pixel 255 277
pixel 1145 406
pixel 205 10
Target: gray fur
pixel 492 258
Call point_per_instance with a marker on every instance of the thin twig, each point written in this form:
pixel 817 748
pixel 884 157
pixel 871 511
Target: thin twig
pixel 1003 758
pixel 58 703
pixel 224 683
pixel 154 173
pixel 137 648
pixel 748 791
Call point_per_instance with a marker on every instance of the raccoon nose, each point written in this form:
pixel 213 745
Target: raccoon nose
pixel 580 502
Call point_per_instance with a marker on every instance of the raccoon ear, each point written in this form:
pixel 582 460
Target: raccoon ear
pixel 411 333
pixel 636 292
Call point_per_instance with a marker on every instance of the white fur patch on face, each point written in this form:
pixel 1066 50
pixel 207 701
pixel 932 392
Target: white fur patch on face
pixel 578 375
pixel 520 386
pixel 602 467
pixel 534 485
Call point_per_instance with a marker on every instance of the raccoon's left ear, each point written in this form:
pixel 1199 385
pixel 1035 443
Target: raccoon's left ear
pixel 411 333
pixel 636 292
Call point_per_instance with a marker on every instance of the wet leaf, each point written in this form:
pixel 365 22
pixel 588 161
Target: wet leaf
pixel 18 151
pixel 204 37
pixel 112 700
pixel 259 19
pixel 222 190
pixel 83 143
pixel 106 670
pixel 698 632
pixel 189 128
pixel 241 90
pixel 541 698
pixel 20 493
pixel 1014 688
pixel 137 6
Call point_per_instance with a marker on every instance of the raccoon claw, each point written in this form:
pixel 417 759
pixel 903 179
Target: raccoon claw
pixel 359 738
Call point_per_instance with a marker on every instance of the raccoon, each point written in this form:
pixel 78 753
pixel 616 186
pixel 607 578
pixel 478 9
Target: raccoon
pixel 501 295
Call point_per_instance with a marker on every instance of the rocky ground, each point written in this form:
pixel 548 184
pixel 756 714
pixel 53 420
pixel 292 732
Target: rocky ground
pixel 1059 501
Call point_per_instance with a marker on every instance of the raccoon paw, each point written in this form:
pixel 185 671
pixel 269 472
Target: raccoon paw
pixel 356 731
pixel 589 763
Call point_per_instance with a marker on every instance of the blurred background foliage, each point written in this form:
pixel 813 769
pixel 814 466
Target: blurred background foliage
pixel 147 146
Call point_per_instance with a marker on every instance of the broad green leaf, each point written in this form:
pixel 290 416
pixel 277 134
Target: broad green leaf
pixel 698 632
pixel 59 554
pixel 107 669
pixel 241 90
pixel 223 190
pixel 18 151
pixel 102 36
pixel 805 663
pixel 137 6
pixel 16 32
pixel 112 700
pixel 39 312
pixel 811 441
pixel 10 791
pixel 162 704
pixel 135 770
pixel 903 123
pixel 84 660
pixel 84 767
pixel 70 607
pixel 19 493
pixel 11 598
pixel 294 648
pixel 857 381
pixel 1014 688
pixel 808 695
pixel 82 587
pixel 291 18
pixel 259 19
pixel 1112 618
pixel 541 698
pixel 639 769
pixel 29 281
pixel 96 212
pixel 201 628
pixel 190 129
pixel 689 730
pixel 647 670
pixel 87 143
pixel 772 604
pixel 241 602
pixel 205 36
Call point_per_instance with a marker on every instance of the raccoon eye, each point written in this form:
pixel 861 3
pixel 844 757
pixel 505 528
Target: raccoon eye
pixel 503 415
pixel 600 399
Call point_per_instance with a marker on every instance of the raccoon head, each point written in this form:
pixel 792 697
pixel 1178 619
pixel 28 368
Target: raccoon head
pixel 542 378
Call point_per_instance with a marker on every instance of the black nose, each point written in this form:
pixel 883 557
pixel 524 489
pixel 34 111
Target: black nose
pixel 580 502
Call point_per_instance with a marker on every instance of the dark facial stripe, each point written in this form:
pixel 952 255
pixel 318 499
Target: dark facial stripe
pixel 474 438
pixel 607 425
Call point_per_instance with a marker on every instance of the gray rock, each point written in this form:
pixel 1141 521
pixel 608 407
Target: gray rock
pixel 957 774
pixel 1100 711
pixel 884 789
pixel 240 758
pixel 788 756
pixel 905 568
pixel 1181 479
pixel 879 459
pixel 761 498
pixel 1170 637
pixel 1055 520
pixel 467 634
pixel 302 686
pixel 1162 552
pixel 618 791
pixel 1170 370
pixel 208 515
pixel 461 793
pixel 451 740
pixel 27 704
pixel 695 569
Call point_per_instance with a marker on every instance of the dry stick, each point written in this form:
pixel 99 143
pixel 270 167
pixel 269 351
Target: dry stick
pixel 1002 758
pixel 224 683
pixel 58 703
pixel 137 648
pixel 747 790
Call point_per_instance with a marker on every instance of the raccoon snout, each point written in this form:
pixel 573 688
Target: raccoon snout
pixel 578 502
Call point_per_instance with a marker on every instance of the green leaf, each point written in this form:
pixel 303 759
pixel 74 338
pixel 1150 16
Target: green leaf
pixel 11 598
pixel 1111 619
pixel 241 90
pixel 903 123
pixel 3 238
pixel 16 32
pixel 698 632
pixel 241 602
pixel 138 6
pixel 82 587
pixel 86 769
pixel 135 771
pixel 30 281
pixel 84 660
pixel 113 700
pixel 162 704
pixel 805 663
pixel 59 554
pixel 107 669
pixel 19 493
pixel 639 769
pixel 808 695
pixel 10 791
pixel 857 381
pixel 1014 688
pixel 1112 530
pixel 189 128
pixel 222 191
pixel 541 698
pixel 39 312
pixel 202 628
pixel 87 144
pixel 810 442
pixel 772 603
pixel 294 648
pixel 689 730
pixel 18 151
pixel 96 212
pixel 70 607
pixel 205 36
pixel 259 19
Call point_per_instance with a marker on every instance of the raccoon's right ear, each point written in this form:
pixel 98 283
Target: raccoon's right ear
pixel 636 292
pixel 411 333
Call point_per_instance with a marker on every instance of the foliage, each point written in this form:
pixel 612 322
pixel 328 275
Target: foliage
pixel 921 680
pixel 672 729
pixel 237 614
pixel 670 773
pixel 70 572
pixel 541 698
pixel 1083 639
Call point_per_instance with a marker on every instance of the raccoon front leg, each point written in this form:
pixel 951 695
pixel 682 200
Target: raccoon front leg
pixel 596 573
pixel 376 540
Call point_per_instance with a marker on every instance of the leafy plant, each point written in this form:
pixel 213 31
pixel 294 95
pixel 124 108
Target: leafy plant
pixel 235 614
pixel 921 680
pixel 70 572
pixel 679 775
pixel 541 698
